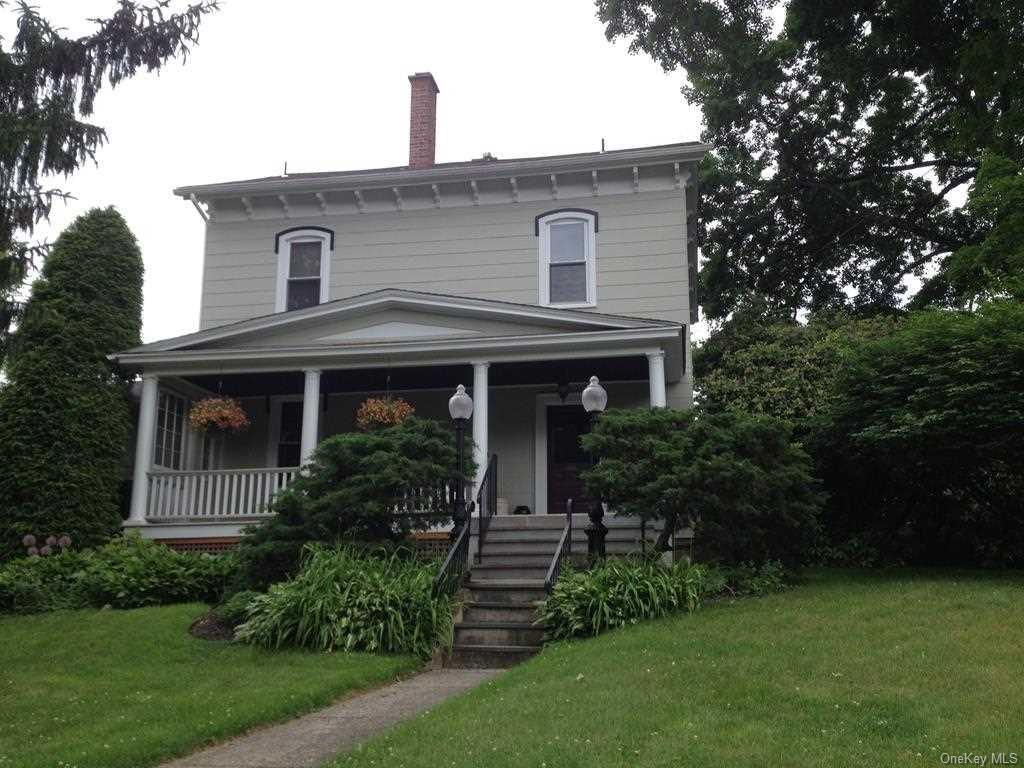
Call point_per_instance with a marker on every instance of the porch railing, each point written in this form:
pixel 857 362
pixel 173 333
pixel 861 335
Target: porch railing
pixel 214 493
pixel 564 551
pixel 487 501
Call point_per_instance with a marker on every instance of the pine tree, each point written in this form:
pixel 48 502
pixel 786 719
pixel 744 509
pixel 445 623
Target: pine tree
pixel 65 418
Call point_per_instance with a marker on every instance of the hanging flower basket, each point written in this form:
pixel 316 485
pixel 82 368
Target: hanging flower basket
pixel 223 414
pixel 382 412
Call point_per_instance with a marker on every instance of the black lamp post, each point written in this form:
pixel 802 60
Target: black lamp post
pixel 595 399
pixel 460 406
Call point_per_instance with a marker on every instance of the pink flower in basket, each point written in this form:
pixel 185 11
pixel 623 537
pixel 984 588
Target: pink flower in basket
pixel 221 413
pixel 382 412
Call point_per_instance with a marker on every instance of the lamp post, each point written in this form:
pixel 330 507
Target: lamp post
pixel 595 399
pixel 460 406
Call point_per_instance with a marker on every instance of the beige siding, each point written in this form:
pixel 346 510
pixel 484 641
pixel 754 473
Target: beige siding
pixel 487 252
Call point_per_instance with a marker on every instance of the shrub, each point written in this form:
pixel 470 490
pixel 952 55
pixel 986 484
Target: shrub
pixel 924 445
pixel 65 417
pixel 740 481
pixel 753 579
pixel 344 598
pixel 351 487
pixel 129 572
pixel 622 591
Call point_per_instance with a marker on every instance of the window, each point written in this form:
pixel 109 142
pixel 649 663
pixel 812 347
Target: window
pixel 170 431
pixel 290 437
pixel 567 258
pixel 303 267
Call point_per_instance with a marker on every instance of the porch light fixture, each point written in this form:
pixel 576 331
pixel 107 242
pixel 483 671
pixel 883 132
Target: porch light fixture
pixel 460 406
pixel 595 399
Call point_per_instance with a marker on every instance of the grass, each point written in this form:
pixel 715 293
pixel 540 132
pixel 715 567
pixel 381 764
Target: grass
pixel 113 689
pixel 844 670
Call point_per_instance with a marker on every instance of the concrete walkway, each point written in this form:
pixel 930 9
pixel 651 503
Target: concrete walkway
pixel 311 739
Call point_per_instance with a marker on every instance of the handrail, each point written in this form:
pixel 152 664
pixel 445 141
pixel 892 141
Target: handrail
pixel 454 566
pixel 487 501
pixel 564 550
pixel 200 472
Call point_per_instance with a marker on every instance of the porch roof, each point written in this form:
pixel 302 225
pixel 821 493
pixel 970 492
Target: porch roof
pixel 400 328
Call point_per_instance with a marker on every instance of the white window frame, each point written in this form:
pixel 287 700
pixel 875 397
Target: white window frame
pixel 284 250
pixel 589 251
pixel 166 448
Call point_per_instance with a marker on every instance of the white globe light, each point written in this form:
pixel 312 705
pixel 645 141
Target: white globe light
pixel 594 397
pixel 460 406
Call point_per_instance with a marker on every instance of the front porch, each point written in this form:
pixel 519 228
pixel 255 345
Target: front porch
pixel 525 383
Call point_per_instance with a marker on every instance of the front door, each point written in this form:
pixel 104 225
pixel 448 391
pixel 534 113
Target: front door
pixel 566 457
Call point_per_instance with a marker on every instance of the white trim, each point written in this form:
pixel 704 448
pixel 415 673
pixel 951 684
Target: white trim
pixel 540 446
pixel 394 298
pixel 310 436
pixel 284 251
pixel 589 254
pixel 656 378
pixel 481 428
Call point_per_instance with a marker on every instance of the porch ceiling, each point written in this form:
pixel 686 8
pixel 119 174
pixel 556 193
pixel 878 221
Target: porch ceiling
pixel 571 371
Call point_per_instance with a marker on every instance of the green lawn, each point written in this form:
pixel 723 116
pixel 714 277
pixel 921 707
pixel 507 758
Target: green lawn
pixel 844 670
pixel 106 689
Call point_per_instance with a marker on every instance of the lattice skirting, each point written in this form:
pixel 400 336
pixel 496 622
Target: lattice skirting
pixel 211 546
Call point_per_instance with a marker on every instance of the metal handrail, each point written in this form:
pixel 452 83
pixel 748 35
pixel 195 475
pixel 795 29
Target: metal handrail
pixel 449 576
pixel 487 501
pixel 564 550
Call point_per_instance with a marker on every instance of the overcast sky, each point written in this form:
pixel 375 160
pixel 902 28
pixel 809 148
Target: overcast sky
pixel 323 84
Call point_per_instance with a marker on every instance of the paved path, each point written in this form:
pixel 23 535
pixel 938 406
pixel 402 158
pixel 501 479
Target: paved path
pixel 311 739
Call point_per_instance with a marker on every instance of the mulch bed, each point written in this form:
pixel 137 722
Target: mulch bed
pixel 210 627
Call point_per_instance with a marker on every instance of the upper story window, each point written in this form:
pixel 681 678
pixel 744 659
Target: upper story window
pixel 303 267
pixel 568 269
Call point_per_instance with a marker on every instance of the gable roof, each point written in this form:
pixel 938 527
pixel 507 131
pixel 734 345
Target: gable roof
pixel 394 298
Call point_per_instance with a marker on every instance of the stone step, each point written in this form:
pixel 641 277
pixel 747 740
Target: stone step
pixel 542 535
pixel 489 656
pixel 518 559
pixel 504 572
pixel 499 611
pixel 517 592
pixel 500 633
pixel 517 547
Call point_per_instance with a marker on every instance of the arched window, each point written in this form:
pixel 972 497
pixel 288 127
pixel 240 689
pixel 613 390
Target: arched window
pixel 568 257
pixel 303 267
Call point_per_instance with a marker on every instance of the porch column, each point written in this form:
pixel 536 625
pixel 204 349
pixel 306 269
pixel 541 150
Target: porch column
pixel 310 415
pixel 656 377
pixel 143 449
pixel 480 449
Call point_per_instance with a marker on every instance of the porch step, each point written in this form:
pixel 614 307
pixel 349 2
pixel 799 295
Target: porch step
pixel 527 548
pixel 485 572
pixel 500 633
pixel 527 559
pixel 489 656
pixel 519 592
pixel 498 611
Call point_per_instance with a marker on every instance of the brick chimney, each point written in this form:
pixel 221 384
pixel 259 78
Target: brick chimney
pixel 422 120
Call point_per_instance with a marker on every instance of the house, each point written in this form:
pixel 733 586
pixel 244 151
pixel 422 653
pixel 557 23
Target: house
pixel 519 278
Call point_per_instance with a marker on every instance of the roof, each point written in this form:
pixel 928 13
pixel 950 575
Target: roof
pixel 402 298
pixel 482 168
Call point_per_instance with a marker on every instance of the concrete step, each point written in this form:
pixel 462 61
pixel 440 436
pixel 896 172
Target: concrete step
pixel 547 536
pixel 500 633
pixel 523 522
pixel 504 572
pixel 489 656
pixel 516 591
pixel 517 559
pixel 517 547
pixel 522 613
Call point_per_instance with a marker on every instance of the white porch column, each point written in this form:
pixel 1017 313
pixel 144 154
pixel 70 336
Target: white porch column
pixel 656 376
pixel 310 415
pixel 481 451
pixel 143 449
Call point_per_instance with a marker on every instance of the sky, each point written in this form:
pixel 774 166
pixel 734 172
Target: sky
pixel 323 85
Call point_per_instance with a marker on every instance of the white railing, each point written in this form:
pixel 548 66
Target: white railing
pixel 214 493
